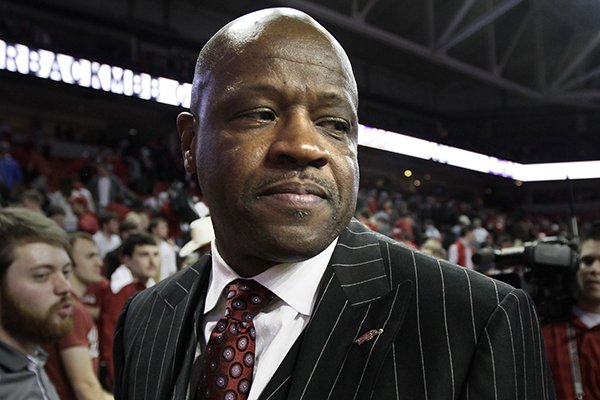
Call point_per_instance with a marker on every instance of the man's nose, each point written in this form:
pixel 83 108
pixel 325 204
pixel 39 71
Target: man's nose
pixel 62 285
pixel 298 142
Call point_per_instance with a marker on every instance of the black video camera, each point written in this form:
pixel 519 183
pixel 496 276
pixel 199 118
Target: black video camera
pixel 545 269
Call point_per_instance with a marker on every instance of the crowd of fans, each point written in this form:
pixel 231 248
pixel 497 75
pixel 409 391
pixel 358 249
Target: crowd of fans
pixel 127 180
pixel 134 233
pixel 137 218
pixel 132 220
pixel 124 237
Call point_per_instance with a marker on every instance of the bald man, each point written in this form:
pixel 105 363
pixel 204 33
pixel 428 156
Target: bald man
pixel 297 300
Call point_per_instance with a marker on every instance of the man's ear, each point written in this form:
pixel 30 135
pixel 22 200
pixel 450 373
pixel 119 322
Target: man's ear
pixel 186 127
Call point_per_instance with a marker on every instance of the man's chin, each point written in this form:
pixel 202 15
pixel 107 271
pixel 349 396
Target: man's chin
pixel 56 329
pixel 21 321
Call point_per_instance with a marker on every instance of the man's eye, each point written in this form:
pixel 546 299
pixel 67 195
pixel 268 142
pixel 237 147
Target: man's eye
pixel 261 115
pixel 588 260
pixel 338 125
pixel 40 277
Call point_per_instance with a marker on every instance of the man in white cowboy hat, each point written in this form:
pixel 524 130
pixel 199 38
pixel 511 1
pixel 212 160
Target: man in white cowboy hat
pixel 202 234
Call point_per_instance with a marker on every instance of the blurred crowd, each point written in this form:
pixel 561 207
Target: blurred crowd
pixel 130 228
pixel 134 218
pixel 128 180
pixel 127 231
pixel 455 229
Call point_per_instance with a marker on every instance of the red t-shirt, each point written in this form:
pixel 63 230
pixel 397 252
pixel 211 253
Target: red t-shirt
pixel 94 294
pixel 88 222
pixel 112 304
pixel 557 350
pixel 85 334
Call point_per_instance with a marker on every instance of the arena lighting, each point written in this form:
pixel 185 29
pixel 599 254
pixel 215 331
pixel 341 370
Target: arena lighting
pixel 426 150
pixel 46 64
pixel 59 67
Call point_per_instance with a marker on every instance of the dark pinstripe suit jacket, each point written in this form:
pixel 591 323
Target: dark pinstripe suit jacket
pixel 448 333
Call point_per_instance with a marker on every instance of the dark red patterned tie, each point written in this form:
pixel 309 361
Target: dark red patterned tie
pixel 229 357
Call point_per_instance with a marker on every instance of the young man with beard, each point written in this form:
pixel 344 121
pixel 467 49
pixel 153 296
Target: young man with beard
pixel 573 342
pixel 73 360
pixel 35 301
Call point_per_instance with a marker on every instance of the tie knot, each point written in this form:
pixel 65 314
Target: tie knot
pixel 245 299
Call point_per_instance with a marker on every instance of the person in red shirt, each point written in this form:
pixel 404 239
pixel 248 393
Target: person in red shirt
pixel 461 252
pixel 87 219
pixel 573 342
pixel 141 261
pixel 73 360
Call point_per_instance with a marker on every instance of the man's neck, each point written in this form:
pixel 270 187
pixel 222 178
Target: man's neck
pixel 139 279
pixel 21 345
pixel 588 306
pixel 77 287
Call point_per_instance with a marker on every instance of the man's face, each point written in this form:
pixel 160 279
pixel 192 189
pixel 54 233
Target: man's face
pixel 470 236
pixel 113 226
pixel 276 150
pixel 162 230
pixel 59 219
pixel 589 273
pixel 144 262
pixel 35 302
pixel 88 265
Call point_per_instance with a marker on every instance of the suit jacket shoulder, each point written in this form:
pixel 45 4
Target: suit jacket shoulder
pixel 155 338
pixel 433 330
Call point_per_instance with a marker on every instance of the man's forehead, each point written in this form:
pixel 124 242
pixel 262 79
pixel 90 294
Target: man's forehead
pixel 272 34
pixel 81 242
pixel 297 56
pixel 146 248
pixel 590 246
pixel 32 255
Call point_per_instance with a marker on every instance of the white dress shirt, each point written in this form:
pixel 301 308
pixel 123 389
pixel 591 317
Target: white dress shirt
pixel 106 244
pixel 122 277
pixel 168 259
pixel 281 323
pixel 587 318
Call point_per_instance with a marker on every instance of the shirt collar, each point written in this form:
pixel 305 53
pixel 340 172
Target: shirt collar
pixel 295 283
pixel 122 277
pixel 589 319
pixel 15 360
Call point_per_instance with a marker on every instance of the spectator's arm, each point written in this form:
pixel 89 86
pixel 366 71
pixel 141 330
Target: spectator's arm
pixel 78 367
pixel 453 254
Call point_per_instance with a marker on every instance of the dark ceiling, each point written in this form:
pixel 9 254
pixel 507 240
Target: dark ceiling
pixel 518 79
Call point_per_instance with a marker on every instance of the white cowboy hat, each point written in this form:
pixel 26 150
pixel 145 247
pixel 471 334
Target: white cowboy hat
pixel 202 233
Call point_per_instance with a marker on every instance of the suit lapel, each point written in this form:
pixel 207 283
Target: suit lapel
pixel 355 296
pixel 184 350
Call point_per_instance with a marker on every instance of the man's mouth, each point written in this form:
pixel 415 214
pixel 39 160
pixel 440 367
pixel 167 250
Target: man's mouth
pixel 65 309
pixel 295 193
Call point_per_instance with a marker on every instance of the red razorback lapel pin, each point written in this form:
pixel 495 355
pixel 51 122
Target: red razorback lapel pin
pixel 369 335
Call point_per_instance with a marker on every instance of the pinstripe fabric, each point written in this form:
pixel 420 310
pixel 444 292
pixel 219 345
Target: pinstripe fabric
pixel 156 337
pixel 448 333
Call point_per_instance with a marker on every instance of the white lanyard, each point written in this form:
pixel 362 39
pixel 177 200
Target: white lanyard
pixel 574 356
